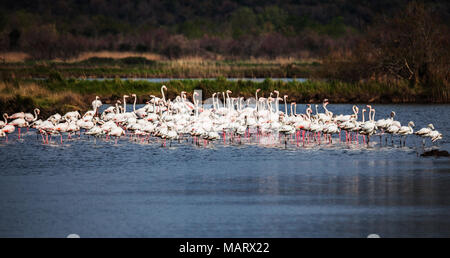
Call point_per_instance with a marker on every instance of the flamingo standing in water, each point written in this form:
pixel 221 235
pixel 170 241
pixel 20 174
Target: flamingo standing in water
pixel 7 128
pixel 434 135
pixel 384 124
pixel 30 117
pixel 19 122
pixel 117 132
pixel 424 132
pixel 405 131
pixel 96 104
pixel 368 128
pixel 62 128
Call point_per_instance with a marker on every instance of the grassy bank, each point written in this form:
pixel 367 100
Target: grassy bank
pixel 141 67
pixel 61 95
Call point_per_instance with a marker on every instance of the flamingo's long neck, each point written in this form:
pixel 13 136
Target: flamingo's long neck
pixel 326 110
pixel 164 96
pixel 256 98
pixel 269 104
pixel 224 100
pixel 134 104
pixel 124 105
pixel 363 116
pixel 277 103
pixel 196 107
pixel 285 107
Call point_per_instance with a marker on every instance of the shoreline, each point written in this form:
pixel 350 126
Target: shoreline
pixel 63 95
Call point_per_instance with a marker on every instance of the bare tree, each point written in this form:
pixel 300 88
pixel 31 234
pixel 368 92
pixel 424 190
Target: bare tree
pixel 411 45
pixel 42 42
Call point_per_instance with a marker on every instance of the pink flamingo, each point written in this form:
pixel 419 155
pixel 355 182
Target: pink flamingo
pixel 19 122
pixel 7 129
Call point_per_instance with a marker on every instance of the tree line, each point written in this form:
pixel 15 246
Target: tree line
pixel 231 28
pixel 412 47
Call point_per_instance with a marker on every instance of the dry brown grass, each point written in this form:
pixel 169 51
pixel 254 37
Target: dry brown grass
pixel 189 60
pixel 12 57
pixel 283 60
pixel 115 55
pixel 8 90
pixel 42 97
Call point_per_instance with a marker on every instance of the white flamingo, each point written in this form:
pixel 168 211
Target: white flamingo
pixel 434 136
pixel 19 122
pixel 30 118
pixel 424 132
pixel 405 131
pixel 96 104
pixel 8 129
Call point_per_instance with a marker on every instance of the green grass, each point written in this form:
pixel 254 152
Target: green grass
pixel 141 67
pixel 308 91
pixel 57 94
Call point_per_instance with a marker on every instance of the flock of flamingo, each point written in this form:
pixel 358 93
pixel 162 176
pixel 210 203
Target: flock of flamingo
pixel 234 120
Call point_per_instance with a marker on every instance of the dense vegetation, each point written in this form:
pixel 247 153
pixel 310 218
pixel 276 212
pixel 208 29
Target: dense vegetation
pixel 352 51
pixel 140 67
pixel 233 28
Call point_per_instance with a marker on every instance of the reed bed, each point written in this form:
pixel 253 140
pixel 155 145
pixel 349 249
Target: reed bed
pixel 26 96
pixel 110 66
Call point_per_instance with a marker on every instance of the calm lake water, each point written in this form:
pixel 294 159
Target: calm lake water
pixel 96 188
